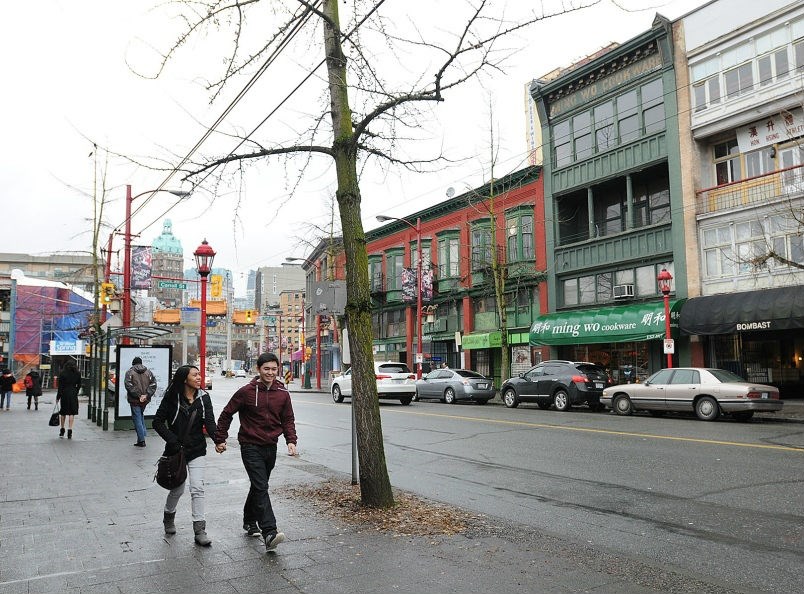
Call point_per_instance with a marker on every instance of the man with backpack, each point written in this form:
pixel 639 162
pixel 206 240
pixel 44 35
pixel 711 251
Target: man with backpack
pixel 33 387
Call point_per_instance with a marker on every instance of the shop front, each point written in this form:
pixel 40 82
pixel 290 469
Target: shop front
pixel 759 335
pixel 626 340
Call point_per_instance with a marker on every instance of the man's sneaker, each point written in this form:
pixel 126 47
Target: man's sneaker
pixel 140 444
pixel 251 528
pixel 272 539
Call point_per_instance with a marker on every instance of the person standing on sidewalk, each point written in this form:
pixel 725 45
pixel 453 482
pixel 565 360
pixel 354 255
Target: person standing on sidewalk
pixel 67 396
pixel 140 386
pixel 182 398
pixel 265 413
pixel 33 387
pixel 7 381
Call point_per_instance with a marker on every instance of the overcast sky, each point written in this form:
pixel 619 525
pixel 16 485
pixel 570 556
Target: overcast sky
pixel 67 65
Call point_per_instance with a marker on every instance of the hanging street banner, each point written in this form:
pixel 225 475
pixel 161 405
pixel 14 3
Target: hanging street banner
pixel 141 267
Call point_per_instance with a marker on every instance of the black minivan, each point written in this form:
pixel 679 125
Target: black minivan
pixel 558 383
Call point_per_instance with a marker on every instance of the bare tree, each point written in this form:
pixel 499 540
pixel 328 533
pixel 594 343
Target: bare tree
pixel 369 119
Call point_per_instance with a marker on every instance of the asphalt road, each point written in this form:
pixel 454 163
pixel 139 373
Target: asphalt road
pixel 716 501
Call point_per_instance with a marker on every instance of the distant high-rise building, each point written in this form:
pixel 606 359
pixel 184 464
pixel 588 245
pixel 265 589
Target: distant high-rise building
pixel 271 281
pixel 167 257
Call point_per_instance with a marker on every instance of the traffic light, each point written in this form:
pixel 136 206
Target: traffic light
pixel 107 293
pixel 248 316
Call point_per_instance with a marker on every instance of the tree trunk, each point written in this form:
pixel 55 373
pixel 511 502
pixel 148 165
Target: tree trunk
pixel 375 486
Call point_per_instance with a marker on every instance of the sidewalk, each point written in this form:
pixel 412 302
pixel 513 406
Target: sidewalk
pixel 83 516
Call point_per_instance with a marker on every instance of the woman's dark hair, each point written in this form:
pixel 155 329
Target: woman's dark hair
pixel 176 386
pixel 70 366
pixel 267 358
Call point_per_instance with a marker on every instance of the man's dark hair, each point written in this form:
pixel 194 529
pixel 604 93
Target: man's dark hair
pixel 136 361
pixel 267 358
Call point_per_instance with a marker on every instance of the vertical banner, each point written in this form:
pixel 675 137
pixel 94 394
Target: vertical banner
pixel 409 285
pixel 141 267
pixel 216 285
pixel 427 285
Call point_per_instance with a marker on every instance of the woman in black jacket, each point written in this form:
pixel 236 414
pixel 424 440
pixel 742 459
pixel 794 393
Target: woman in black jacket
pixel 67 396
pixel 183 397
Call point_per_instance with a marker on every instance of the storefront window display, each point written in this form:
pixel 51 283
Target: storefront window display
pixel 626 362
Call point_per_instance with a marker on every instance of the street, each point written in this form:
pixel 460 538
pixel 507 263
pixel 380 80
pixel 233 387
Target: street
pixel 717 501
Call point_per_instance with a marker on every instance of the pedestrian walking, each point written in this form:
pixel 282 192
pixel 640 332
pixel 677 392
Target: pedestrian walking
pixel 265 413
pixel 7 381
pixel 183 404
pixel 67 396
pixel 140 386
pixel 33 387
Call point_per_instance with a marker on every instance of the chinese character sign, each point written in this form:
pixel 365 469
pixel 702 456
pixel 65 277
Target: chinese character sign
pixel 409 285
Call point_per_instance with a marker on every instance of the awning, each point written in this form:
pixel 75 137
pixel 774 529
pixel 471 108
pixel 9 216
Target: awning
pixel 140 332
pixel 769 309
pixel 297 355
pixel 637 322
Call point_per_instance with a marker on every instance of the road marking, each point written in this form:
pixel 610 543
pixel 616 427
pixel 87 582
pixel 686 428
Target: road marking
pixel 761 446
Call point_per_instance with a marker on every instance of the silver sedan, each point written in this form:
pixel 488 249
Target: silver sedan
pixel 708 392
pixel 451 385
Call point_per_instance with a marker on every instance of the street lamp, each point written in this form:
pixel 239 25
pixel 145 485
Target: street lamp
pixel 663 279
pixel 317 324
pixel 418 229
pixel 127 248
pixel 204 255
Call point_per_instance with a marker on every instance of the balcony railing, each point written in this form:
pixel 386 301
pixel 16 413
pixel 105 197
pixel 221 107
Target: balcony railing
pixel 752 191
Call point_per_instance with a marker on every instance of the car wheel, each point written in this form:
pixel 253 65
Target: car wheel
pixel 707 409
pixel 510 399
pixel 337 396
pixel 406 400
pixel 622 405
pixel 744 415
pixel 543 405
pixel 561 401
pixel 449 396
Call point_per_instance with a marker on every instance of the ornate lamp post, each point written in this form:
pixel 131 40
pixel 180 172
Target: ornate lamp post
pixel 204 255
pixel 418 229
pixel 663 279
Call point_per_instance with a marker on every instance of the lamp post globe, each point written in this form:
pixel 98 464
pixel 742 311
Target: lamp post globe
pixel 204 255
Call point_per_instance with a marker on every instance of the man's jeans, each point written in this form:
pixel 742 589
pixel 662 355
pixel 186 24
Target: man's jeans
pixel 5 399
pixel 138 414
pixel 259 462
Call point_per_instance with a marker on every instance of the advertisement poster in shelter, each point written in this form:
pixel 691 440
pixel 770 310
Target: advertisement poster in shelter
pixel 157 359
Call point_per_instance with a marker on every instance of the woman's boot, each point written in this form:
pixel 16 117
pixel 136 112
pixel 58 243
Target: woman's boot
pixel 69 433
pixel 200 529
pixel 168 521
pixel 61 432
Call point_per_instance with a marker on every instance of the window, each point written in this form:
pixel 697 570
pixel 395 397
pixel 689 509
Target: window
pixel 718 254
pixel 395 323
pixel 519 229
pixel 627 116
pixel 563 143
pixel 393 271
pixel 375 275
pixel 448 257
pixel 586 288
pixel 570 291
pixel 610 207
pixel 727 162
pixel 414 254
pixel 651 191
pixel 758 162
pixel 739 80
pixel 653 106
pixel 599 288
pixel 582 134
pixel 605 135
pixel 573 218
pixel 481 245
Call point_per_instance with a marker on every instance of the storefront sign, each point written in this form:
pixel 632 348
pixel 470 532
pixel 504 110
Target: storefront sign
pixel 774 129
pixel 644 321
pixel 482 340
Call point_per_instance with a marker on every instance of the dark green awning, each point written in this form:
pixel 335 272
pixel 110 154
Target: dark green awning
pixel 637 322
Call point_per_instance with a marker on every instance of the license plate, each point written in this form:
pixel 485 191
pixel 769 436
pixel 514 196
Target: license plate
pixel 398 380
pixel 482 386
pixel 598 384
pixel 764 394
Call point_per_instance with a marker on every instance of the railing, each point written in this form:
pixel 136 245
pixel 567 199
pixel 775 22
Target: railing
pixel 752 191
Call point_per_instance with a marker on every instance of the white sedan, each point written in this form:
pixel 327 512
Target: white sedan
pixel 394 380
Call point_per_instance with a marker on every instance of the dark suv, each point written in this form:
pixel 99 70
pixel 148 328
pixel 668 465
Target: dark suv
pixel 558 383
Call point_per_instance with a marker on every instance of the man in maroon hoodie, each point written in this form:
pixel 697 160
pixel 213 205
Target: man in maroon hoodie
pixel 265 413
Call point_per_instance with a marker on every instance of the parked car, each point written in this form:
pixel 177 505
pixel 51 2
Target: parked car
pixel 451 385
pixel 562 384
pixel 240 372
pixel 707 392
pixel 208 380
pixel 394 380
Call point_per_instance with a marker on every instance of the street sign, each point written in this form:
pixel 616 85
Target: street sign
pixel 669 346
pixel 171 285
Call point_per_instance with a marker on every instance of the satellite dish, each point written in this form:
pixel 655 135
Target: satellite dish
pixel 450 192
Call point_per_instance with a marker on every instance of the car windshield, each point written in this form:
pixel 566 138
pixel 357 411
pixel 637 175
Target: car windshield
pixel 467 373
pixel 590 368
pixel 726 377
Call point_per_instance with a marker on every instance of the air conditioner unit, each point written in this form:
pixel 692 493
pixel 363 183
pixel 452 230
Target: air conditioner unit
pixel 623 291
